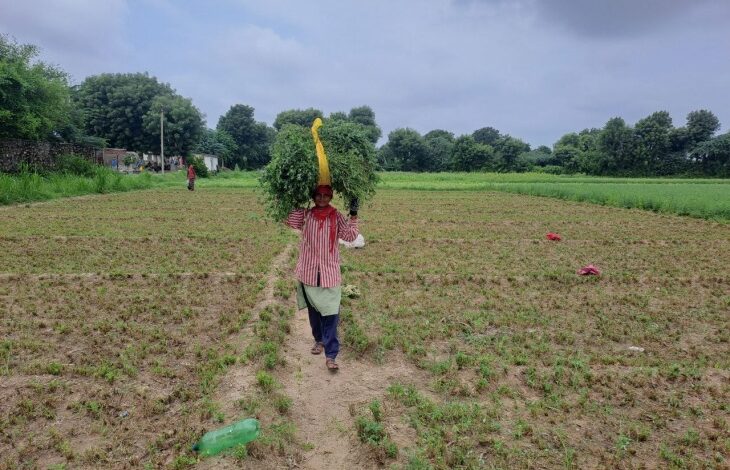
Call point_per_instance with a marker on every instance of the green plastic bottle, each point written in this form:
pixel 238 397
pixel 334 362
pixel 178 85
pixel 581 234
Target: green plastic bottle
pixel 241 432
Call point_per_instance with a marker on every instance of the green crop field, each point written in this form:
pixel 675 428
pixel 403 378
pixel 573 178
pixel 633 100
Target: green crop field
pixel 702 198
pixel 133 322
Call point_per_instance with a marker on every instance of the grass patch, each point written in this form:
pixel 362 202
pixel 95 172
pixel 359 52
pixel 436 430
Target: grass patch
pixel 701 198
pixel 30 187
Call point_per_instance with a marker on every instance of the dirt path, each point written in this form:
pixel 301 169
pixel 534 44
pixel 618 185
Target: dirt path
pixel 239 381
pixel 322 399
pixel 276 271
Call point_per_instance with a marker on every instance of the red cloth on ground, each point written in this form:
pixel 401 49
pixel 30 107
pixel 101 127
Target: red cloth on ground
pixel 589 270
pixel 553 236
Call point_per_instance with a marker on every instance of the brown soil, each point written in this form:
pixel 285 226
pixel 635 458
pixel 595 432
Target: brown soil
pixel 322 400
pixel 239 381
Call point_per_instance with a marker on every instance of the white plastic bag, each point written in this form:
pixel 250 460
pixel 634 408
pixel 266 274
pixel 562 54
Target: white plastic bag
pixel 359 242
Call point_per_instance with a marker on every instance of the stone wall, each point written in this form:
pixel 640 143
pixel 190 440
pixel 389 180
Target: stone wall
pixel 40 156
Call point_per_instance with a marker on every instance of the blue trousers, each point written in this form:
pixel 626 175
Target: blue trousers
pixel 324 330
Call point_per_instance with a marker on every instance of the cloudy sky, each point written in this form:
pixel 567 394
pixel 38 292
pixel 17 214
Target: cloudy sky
pixel 535 69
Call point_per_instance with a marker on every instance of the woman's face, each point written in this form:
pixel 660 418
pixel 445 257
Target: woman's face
pixel 322 200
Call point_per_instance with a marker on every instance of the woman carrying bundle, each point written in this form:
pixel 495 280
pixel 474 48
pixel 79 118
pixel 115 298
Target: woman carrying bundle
pixel 318 268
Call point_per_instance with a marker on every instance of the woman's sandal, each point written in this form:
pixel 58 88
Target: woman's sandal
pixel 317 348
pixel 331 364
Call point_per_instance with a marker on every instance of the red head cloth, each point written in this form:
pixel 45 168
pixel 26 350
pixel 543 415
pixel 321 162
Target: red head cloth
pixel 553 236
pixel 589 270
pixel 324 189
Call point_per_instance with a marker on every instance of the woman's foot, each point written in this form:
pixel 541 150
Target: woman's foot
pixel 331 364
pixel 317 348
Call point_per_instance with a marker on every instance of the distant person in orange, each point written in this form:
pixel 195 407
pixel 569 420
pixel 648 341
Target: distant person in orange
pixel 191 177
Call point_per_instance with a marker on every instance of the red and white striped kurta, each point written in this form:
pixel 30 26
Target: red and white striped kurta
pixel 314 250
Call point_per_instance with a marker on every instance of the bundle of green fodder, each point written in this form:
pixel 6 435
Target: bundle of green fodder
pixel 290 178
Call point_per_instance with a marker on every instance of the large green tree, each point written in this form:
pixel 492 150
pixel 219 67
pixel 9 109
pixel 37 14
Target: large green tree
pixel 220 143
pixel 577 152
pixel 701 126
pixel 300 117
pixel 338 116
pixel 119 108
pixel 588 146
pixel 653 144
pixel 541 156
pixel 405 151
pixel 183 125
pixel 486 135
pixel 652 147
pixel 440 144
pixel 34 96
pixel 565 150
pixel 713 156
pixel 470 155
pixel 508 148
pixel 253 139
pixel 616 148
pixel 365 116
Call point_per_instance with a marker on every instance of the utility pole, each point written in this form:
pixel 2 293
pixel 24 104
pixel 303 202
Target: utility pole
pixel 162 139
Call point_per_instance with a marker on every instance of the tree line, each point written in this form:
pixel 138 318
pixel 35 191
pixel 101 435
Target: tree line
pixel 123 110
pixel 653 147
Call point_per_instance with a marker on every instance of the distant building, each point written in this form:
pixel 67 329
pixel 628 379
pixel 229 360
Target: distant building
pixel 154 162
pixel 113 157
pixel 211 162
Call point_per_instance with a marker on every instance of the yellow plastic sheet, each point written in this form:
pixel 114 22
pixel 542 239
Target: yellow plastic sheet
pixel 324 168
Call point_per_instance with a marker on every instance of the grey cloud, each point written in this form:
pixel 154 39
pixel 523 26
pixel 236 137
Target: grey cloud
pixel 533 69
pixel 609 18
pixel 613 18
pixel 84 24
pixel 79 36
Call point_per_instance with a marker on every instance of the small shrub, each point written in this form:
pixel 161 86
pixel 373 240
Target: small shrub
pixel 376 410
pixel 622 444
pixel 282 404
pixel 369 431
pixel 266 381
pixel 251 405
pixel 183 461
pixel 271 360
pixel 54 368
pixel 462 360
pixel 391 449
pixel 240 452
pixel 130 159
pixel 76 165
pixel 102 181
